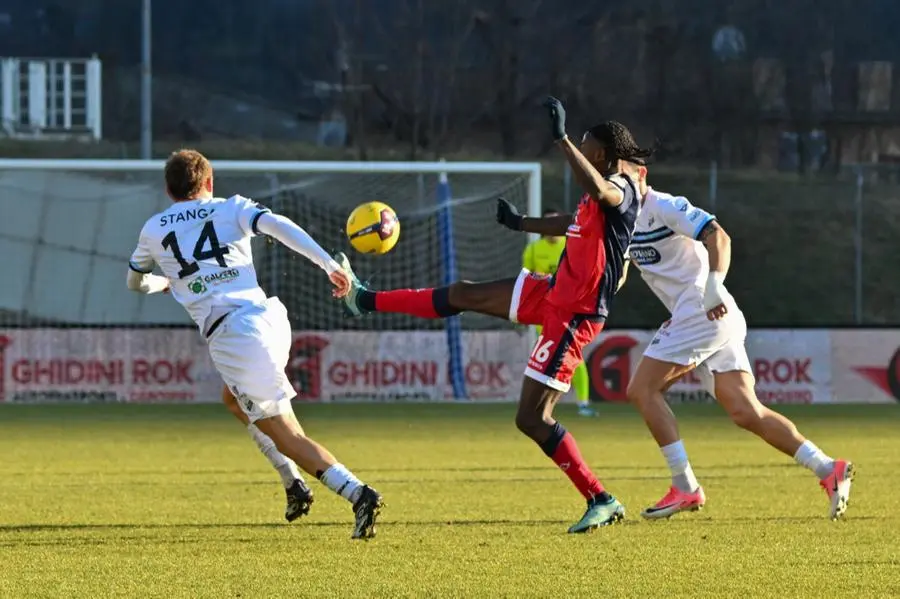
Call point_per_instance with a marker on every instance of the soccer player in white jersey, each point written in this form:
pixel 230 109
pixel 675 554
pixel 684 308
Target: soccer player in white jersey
pixel 683 255
pixel 202 245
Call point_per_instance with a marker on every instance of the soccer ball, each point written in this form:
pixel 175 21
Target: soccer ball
pixel 373 228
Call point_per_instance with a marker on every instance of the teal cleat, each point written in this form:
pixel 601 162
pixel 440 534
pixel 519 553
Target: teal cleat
pixel 599 513
pixel 351 303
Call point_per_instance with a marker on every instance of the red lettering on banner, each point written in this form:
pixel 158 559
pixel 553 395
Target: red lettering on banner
pixel 783 396
pixel 140 369
pixel 486 374
pixel 161 372
pixel 383 374
pixel 424 373
pixel 67 372
pixel 475 374
pixel 783 370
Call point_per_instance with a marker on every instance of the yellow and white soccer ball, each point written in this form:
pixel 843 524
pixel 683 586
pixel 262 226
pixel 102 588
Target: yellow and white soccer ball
pixel 373 228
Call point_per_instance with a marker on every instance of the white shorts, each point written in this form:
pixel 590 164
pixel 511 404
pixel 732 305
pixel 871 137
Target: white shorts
pixel 694 340
pixel 250 349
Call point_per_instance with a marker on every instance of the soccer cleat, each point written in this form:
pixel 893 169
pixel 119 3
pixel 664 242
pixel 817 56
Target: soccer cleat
pixel 585 409
pixel 837 486
pixel 299 500
pixel 367 509
pixel 599 513
pixel 351 303
pixel 675 501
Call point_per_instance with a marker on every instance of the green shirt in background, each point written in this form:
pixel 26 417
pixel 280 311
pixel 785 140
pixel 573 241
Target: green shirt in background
pixel 542 256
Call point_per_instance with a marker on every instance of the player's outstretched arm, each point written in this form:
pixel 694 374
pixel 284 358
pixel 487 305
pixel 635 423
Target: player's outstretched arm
pixel 509 217
pixel 554 226
pixel 146 282
pixel 294 237
pixel 590 179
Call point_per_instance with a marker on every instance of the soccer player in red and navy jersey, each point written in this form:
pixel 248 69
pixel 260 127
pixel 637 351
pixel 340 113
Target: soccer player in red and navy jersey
pixel 570 306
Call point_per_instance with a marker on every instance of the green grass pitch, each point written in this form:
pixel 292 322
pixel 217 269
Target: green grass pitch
pixel 175 501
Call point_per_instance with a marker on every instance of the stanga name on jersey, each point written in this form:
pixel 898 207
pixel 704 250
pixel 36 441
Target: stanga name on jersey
pixel 203 247
pixel 665 248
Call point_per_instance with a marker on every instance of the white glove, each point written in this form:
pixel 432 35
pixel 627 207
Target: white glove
pixel 714 294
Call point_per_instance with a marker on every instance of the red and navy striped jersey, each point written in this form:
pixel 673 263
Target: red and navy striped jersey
pixel 594 259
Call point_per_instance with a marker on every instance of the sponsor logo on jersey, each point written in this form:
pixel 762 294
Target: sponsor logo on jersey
pixel 223 276
pixel 197 286
pixel 696 215
pixel 184 216
pixel 643 255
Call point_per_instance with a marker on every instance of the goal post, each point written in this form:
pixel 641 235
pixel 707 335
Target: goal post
pixel 72 225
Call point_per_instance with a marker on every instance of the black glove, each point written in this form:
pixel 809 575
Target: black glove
pixel 557 117
pixel 508 216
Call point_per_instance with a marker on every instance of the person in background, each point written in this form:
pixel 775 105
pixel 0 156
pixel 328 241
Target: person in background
pixel 542 257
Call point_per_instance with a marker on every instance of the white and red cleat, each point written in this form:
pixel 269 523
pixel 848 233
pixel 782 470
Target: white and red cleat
pixel 675 501
pixel 837 485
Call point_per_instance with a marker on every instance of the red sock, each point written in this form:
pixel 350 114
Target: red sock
pixel 569 460
pixel 416 302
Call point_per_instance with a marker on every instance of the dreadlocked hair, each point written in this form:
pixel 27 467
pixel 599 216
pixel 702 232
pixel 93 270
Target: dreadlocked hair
pixel 616 137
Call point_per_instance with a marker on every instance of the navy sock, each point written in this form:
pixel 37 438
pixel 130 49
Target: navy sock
pixel 366 300
pixel 441 300
pixel 556 436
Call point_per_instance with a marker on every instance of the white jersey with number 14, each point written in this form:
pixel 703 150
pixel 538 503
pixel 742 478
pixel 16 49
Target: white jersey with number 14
pixel 203 247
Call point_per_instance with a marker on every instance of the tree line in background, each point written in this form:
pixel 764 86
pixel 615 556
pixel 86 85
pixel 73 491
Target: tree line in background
pixel 437 75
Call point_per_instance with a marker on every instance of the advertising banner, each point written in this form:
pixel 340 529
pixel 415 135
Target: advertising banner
pixel 865 365
pixel 790 366
pixel 404 365
pixel 173 365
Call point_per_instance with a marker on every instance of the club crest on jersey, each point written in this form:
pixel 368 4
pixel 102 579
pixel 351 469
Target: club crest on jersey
pixel 197 286
pixel 644 255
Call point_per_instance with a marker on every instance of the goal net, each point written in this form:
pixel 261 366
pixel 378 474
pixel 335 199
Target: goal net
pixel 70 227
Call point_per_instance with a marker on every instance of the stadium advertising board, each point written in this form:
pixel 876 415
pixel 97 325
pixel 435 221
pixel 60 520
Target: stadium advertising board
pixel 172 365
pixel 405 366
pixel 790 366
pixel 866 365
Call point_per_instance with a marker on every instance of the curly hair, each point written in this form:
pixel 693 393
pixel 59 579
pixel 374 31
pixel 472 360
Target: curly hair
pixel 615 137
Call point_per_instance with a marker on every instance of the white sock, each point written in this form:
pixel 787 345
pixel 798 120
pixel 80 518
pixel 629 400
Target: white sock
pixel 342 481
pixel 286 468
pixel 683 477
pixel 810 456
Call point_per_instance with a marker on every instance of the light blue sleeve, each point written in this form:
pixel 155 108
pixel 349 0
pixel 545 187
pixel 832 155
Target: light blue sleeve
pixel 683 217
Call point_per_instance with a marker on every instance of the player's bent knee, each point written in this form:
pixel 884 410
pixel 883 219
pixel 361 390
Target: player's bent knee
pixel 532 424
pixel 637 393
pixel 745 416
